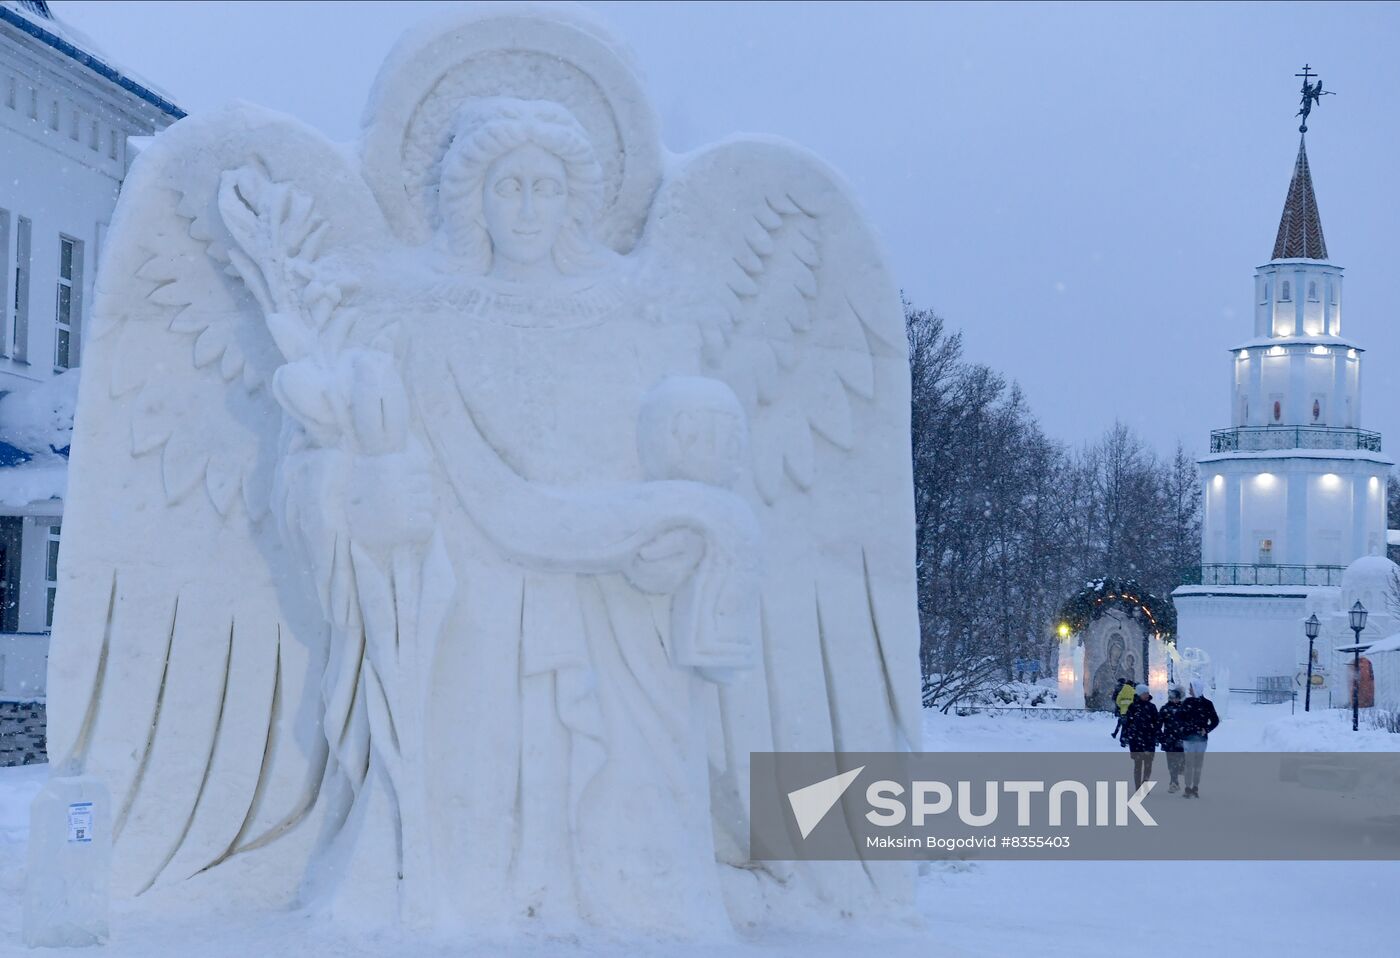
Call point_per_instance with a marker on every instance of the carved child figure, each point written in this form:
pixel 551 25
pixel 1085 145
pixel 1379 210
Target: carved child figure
pixel 690 428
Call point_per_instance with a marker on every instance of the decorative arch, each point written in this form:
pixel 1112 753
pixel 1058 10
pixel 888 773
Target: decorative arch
pixel 1101 595
pixel 1083 658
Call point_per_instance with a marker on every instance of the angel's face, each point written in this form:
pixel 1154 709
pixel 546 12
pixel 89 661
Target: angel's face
pixel 525 204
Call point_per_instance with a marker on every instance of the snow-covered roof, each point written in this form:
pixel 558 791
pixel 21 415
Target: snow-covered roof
pixel 1344 455
pixel 36 428
pixel 1369 572
pixel 1246 591
pixel 1390 643
pixel 1319 339
pixel 34 19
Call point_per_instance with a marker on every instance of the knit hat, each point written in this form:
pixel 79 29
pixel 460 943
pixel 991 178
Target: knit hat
pixel 1174 692
pixel 1141 688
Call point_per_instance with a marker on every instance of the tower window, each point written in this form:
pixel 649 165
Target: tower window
pixel 1312 292
pixel 1278 411
pixel 1284 292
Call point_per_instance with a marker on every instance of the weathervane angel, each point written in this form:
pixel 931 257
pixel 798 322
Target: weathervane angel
pixel 451 519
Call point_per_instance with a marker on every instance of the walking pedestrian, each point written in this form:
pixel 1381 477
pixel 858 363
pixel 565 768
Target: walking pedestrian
pixel 1198 719
pixel 1121 700
pixel 1172 735
pixel 1141 727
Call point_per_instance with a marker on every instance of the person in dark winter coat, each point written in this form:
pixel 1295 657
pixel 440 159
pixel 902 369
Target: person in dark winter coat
pixel 1122 698
pixel 1198 719
pixel 1172 734
pixel 1141 727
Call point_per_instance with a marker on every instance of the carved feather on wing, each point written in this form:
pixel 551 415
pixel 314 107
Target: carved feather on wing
pixel 184 687
pixel 796 312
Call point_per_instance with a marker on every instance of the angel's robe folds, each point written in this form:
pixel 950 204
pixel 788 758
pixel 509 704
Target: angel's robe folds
pixel 572 753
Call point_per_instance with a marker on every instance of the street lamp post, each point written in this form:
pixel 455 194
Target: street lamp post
pixel 1311 628
pixel 1358 622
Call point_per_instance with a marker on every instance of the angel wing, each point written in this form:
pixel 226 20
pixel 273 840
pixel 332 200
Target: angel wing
pixel 188 642
pixel 800 318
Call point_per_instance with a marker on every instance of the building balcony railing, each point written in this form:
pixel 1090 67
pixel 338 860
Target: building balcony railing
pixel 1264 438
pixel 1245 573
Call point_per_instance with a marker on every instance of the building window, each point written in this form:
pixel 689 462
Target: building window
pixel 1278 411
pixel 11 537
pixel 1312 292
pixel 1284 292
pixel 112 145
pixel 92 136
pixel 10 94
pixel 1264 292
pixel 70 269
pixel 19 332
pixel 51 574
pixel 74 123
pixel 1266 551
pixel 53 114
pixel 33 103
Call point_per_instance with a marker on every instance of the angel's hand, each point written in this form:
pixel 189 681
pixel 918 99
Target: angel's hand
pixel 389 498
pixel 664 562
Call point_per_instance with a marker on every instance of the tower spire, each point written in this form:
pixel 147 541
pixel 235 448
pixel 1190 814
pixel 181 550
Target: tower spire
pixel 1300 227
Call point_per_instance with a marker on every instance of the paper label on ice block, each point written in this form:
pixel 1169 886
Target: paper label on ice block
pixel 80 822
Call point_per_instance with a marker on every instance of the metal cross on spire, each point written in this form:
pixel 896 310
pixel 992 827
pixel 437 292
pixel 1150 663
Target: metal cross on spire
pixel 1312 93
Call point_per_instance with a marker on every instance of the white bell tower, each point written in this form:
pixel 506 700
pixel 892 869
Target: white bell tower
pixel 1294 487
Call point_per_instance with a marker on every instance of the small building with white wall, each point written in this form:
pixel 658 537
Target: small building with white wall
pixel 66 113
pixel 1294 486
pixel 1370 580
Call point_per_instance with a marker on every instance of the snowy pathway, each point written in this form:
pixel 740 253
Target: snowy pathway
pixel 1145 909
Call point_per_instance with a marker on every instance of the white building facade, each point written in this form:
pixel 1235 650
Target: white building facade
pixel 65 117
pixel 1294 487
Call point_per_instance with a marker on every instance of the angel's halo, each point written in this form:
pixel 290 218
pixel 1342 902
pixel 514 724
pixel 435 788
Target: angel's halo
pixel 493 51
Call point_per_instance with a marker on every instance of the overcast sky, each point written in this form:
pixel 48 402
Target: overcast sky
pixel 1084 190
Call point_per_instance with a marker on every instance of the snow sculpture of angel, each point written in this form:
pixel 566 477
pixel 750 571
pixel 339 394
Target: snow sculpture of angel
pixel 449 522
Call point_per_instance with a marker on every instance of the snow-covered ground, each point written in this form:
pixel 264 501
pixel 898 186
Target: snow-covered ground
pixel 1161 908
pixel 1244 727
pixel 1045 909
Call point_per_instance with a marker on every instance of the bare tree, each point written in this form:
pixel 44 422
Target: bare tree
pixel 1010 523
